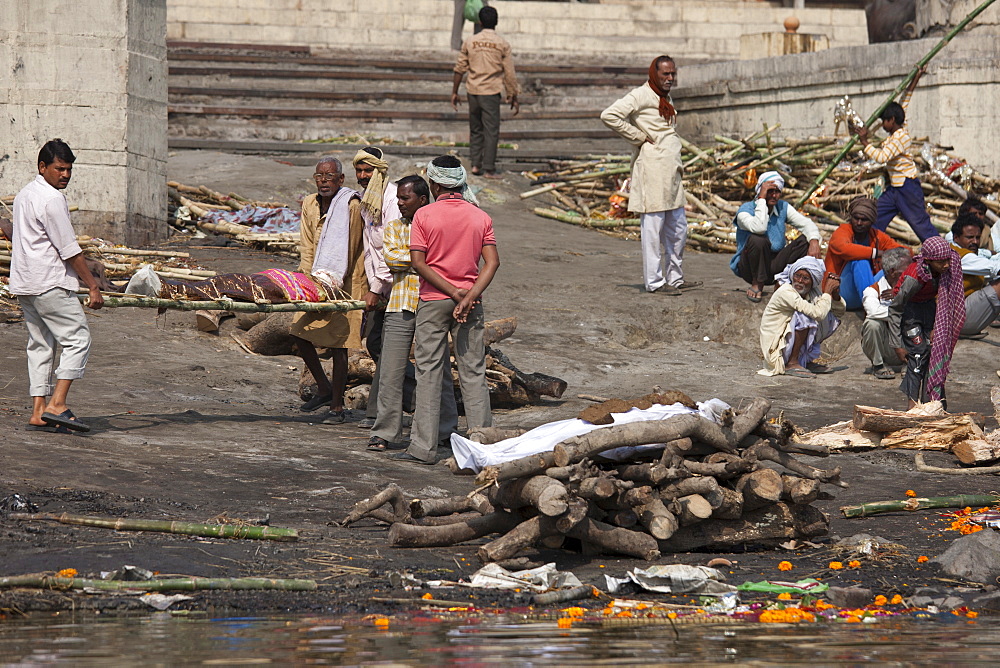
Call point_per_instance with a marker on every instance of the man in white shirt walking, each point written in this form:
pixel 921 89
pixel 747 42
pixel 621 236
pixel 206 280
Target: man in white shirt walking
pixel 46 266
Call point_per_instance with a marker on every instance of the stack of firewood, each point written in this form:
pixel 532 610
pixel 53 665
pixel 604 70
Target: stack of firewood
pixel 707 488
pixel 592 191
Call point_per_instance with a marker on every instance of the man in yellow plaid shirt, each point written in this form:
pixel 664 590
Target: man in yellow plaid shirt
pixel 903 196
pixel 400 324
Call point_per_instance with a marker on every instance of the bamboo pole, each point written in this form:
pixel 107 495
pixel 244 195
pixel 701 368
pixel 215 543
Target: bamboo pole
pixel 169 584
pixel 892 96
pixel 132 251
pixel 164 526
pixel 956 501
pixel 584 222
pixel 334 306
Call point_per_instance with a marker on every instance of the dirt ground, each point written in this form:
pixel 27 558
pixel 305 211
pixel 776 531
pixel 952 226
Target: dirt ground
pixel 188 426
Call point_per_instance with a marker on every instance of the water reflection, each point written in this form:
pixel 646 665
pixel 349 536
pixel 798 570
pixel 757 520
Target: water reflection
pixel 163 639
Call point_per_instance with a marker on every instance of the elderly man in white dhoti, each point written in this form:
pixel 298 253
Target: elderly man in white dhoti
pixel 798 318
pixel 646 118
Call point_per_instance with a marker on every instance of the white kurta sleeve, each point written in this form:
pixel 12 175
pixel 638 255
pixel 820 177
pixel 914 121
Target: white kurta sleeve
pixel 757 223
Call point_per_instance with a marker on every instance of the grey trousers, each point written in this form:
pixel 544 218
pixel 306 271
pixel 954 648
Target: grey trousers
pixel 55 316
pixel 373 343
pixel 875 343
pixel 484 131
pixel 981 308
pixel 397 336
pixel 434 323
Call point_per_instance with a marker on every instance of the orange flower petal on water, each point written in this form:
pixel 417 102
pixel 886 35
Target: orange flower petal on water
pixel 382 622
pixel 971 614
pixel 671 615
pixel 785 566
pixel 853 619
pixel 922 560
pixel 565 622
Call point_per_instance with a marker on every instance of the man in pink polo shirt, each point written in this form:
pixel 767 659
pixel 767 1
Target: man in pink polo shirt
pixel 447 240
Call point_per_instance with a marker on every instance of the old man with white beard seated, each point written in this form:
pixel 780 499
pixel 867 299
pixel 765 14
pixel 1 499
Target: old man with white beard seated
pixel 798 317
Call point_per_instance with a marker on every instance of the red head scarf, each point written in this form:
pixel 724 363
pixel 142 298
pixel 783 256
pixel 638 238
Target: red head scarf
pixel 667 110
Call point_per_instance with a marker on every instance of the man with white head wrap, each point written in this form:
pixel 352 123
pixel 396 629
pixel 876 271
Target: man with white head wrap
pixel 762 249
pixel 798 318
pixel 379 206
pixel 448 238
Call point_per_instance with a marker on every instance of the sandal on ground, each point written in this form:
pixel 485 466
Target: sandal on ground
pixel 316 402
pixel 799 373
pixel 818 368
pixel 755 295
pixel 334 417
pixel 48 428
pixel 884 373
pixel 687 285
pixel 65 419
pixel 376 444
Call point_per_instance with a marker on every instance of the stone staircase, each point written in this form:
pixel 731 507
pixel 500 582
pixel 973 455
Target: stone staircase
pixel 236 95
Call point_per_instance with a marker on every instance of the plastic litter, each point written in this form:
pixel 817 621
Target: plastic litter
pixel 538 579
pixel 807 586
pixel 673 579
pixel 15 503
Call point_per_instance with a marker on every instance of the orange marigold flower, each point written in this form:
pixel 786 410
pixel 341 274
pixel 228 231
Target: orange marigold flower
pixel 853 619
pixel 67 573
pixel 971 615
pixel 784 596
pixel 896 600
pixel 922 559
pixel 835 566
pixel 785 566
pixel 382 622
pixel 671 615
pixel 881 600
pixel 427 596
pixel 565 622
pixel 910 493
pixel 624 613
pixel 823 605
pixel 574 612
pixel 854 564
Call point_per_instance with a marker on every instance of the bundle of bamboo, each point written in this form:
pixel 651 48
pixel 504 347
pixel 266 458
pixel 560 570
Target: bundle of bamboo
pixel 592 191
pixel 706 489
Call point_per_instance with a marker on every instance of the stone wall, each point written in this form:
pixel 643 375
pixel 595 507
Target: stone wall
pixel 93 74
pixel 702 30
pixel 956 104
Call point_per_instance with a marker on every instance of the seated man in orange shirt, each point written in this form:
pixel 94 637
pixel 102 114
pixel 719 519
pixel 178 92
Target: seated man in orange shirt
pixel 854 250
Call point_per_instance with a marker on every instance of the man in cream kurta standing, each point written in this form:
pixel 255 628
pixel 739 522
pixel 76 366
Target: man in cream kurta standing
pixel 646 118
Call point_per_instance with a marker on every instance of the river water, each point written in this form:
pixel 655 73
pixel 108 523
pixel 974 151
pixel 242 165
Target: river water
pixel 164 639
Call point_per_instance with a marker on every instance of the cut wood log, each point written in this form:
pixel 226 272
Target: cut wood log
pixel 498 330
pixel 704 485
pixel 409 535
pixel 976 451
pixel 452 504
pixel 553 542
pixel 763 451
pixel 721 470
pixel 615 540
pixel 525 466
pixel 392 494
pixel 626 518
pixel 936 435
pixel 272 336
pixel 547 495
pixel 489 435
pixel 691 509
pixel 524 535
pixel 768 525
pixel 647 474
pixel 574 514
pixel 799 490
pixel 760 488
pixel 731 507
pixel 660 522
pixel 883 420
pixel 596 487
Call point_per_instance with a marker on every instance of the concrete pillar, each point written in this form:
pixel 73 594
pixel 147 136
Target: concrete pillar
pixel 94 74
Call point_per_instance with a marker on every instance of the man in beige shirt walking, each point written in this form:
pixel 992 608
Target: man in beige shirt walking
pixel 486 57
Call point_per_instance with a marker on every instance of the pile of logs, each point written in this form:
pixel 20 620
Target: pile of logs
pixel 269 334
pixel 718 179
pixel 924 427
pixel 707 488
pixel 200 200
